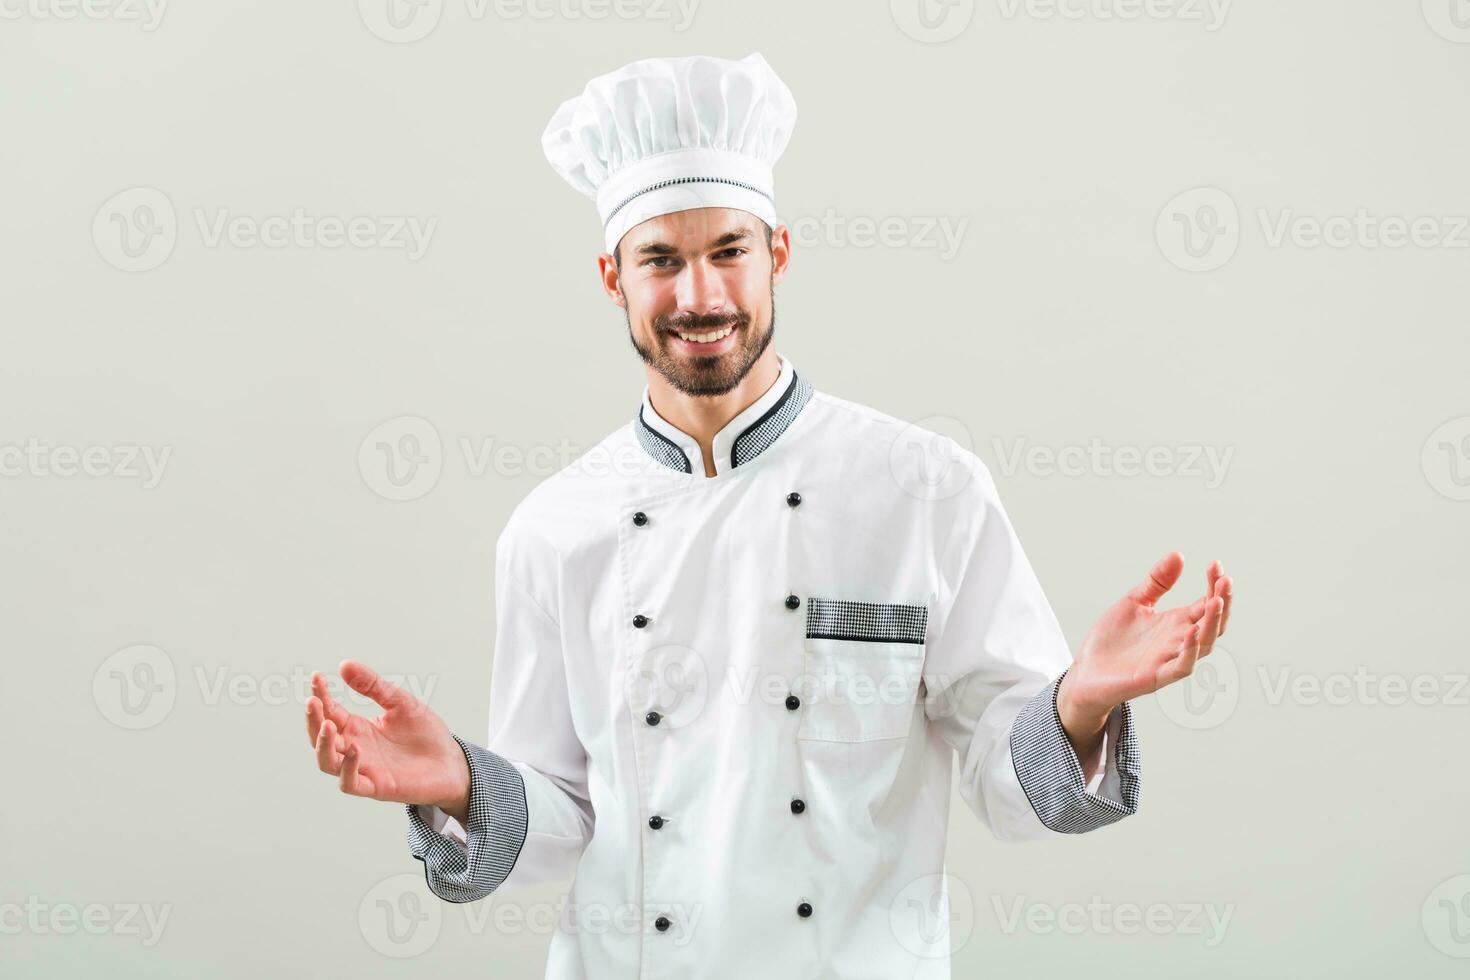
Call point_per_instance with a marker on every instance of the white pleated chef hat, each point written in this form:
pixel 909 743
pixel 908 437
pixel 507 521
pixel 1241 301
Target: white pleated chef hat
pixel 668 134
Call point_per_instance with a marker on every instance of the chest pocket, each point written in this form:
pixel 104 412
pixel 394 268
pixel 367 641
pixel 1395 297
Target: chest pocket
pixel 863 663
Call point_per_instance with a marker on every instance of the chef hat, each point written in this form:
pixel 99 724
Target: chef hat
pixel 668 134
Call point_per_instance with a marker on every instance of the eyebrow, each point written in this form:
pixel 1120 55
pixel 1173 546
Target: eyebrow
pixel 663 248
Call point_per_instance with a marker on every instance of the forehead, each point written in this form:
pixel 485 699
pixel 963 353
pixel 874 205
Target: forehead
pixel 692 229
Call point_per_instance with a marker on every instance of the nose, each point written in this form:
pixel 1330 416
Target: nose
pixel 699 290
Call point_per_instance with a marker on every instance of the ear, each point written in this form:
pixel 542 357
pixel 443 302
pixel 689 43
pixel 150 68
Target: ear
pixel 780 252
pixel 611 279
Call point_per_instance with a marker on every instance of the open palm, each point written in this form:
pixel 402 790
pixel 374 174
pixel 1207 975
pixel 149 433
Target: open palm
pixel 406 754
pixel 1136 648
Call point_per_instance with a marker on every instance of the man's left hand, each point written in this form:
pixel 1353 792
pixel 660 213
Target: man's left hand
pixel 1135 648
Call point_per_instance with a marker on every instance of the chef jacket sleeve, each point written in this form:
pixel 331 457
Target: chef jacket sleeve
pixel 530 816
pixel 994 660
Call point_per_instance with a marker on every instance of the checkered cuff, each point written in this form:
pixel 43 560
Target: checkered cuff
pixel 1051 775
pixel 496 832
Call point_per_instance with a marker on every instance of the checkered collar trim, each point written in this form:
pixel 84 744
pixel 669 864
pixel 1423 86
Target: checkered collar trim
pixel 743 438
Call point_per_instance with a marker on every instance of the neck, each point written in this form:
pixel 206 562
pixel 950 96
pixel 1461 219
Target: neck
pixel 703 415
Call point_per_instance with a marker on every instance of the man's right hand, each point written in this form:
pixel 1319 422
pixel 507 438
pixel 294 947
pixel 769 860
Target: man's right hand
pixel 405 755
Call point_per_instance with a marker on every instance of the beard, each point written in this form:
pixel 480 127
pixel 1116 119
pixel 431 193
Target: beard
pixel 705 375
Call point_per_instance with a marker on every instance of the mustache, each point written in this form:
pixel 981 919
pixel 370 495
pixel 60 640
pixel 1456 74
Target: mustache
pixel 702 324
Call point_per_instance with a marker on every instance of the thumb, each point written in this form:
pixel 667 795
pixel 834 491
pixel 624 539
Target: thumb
pixel 369 683
pixel 1161 579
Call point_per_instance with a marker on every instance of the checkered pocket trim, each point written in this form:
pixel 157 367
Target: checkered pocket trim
pixel 847 619
pixel 496 832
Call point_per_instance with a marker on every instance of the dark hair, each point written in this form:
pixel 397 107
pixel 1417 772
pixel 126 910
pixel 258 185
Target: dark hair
pixel 618 248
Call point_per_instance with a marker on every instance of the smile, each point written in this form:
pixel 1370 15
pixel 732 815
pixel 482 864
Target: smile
pixel 705 338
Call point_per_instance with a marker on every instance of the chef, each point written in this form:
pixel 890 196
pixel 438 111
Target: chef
pixel 742 642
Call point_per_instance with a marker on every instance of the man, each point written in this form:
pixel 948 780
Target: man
pixel 741 640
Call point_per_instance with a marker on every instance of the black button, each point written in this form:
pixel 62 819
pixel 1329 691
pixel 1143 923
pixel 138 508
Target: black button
pixel 793 498
pixel 792 601
pixel 804 910
pixel 640 518
pixel 640 620
pixel 662 923
pixel 792 702
pixel 798 805
pixel 655 821
pixel 652 717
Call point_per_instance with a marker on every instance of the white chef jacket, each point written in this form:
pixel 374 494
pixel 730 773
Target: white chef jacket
pixel 726 707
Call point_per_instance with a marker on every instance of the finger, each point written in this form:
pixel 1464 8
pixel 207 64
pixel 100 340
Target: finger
pixel 1195 611
pixel 353 780
pixel 1164 656
pixel 349 770
pixel 368 682
pixel 1161 579
pixel 328 759
pixel 1171 647
pixel 1182 665
pixel 1212 576
pixel 330 706
pixel 1210 626
pixel 1227 588
pixel 314 717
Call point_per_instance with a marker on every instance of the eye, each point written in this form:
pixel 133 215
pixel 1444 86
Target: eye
pixel 731 252
pixel 658 259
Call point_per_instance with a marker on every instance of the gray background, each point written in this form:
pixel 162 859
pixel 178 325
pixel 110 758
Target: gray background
pixel 1326 829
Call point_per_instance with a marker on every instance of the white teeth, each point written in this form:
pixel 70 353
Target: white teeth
pixel 705 338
